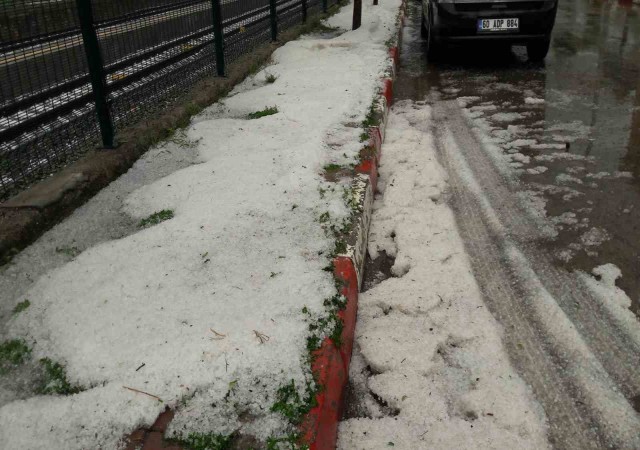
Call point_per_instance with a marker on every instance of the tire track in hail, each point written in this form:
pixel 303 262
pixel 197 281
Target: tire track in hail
pixel 618 352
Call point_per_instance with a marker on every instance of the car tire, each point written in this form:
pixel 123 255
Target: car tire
pixel 537 51
pixel 433 47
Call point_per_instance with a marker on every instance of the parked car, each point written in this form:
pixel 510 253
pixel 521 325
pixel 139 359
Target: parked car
pixel 527 22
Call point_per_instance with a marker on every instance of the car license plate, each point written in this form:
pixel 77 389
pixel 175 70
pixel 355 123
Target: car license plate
pixel 498 24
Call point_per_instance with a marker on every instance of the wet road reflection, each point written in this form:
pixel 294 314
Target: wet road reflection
pixel 568 129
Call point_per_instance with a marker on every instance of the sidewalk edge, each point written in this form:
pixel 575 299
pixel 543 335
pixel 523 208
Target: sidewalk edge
pixel 331 362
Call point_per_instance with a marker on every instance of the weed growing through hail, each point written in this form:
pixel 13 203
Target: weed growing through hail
pixel 55 379
pixel 71 252
pixel 21 306
pixel 340 248
pixel 268 111
pixel 290 404
pixel 370 119
pixel 156 218
pixel 270 78
pixel 331 325
pixel 332 167
pixel 12 354
pixel 324 217
pixel 206 441
pixel 351 199
pixel 290 441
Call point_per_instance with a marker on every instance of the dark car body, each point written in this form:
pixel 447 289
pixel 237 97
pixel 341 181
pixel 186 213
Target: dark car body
pixel 446 21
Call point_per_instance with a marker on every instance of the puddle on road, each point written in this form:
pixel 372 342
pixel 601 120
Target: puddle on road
pixel 568 129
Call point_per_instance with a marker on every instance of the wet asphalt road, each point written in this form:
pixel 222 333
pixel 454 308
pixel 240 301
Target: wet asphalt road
pixel 544 167
pixel 590 84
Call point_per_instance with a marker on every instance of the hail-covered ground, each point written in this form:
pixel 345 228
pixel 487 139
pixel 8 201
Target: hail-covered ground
pixel 200 309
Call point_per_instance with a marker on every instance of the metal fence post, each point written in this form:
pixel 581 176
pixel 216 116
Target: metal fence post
pixel 304 11
pixel 96 72
pixel 357 14
pixel 273 13
pixel 218 35
pixel 325 5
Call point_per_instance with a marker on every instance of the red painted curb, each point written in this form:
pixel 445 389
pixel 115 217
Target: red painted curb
pixel 394 54
pixel 375 141
pixel 369 166
pixel 387 91
pixel 345 272
pixel 331 365
pixel 320 427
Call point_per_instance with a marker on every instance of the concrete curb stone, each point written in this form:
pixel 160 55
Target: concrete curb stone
pixel 331 364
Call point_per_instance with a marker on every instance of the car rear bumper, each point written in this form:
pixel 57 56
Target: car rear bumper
pixel 458 21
